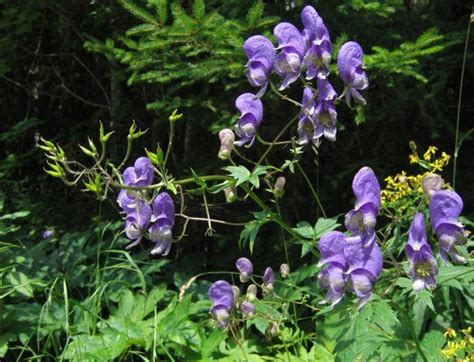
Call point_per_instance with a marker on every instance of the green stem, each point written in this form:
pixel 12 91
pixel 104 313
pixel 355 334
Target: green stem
pixel 127 153
pixel 170 144
pixel 267 151
pixel 273 216
pixel 458 113
pixel 313 191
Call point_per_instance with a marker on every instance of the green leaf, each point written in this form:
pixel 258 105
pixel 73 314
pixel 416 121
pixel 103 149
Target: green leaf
pixel 255 14
pixel 250 231
pixel 199 9
pixel 240 173
pixel 21 283
pixel 432 343
pixel 454 272
pixel 324 226
pixel 15 215
pixel 199 181
pixel 305 230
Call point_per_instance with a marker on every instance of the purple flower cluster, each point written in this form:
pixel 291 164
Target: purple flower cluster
pixel 445 208
pixel 308 51
pixel 354 262
pixel 423 267
pixel 155 218
pixel 225 297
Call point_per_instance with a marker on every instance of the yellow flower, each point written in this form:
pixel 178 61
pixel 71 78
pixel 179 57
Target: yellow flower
pixel 414 158
pixel 450 333
pixel 431 151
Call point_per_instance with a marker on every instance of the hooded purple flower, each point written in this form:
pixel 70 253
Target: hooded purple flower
pixel 261 55
pixel 268 279
pixel 325 115
pixel 251 110
pixel 163 218
pixel 245 268
pixel 331 247
pixel 222 297
pixel 137 222
pixel 306 125
pixel 423 266
pixel 365 265
pixel 288 62
pixel 362 219
pixel 351 70
pixel 445 208
pixel 318 44
pixel 141 174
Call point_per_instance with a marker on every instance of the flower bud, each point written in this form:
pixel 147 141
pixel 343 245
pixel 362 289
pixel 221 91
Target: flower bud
pixel 412 145
pixel 268 280
pixel 227 138
pixel 236 291
pixel 274 329
pixel 245 267
pixel 279 189
pixel 230 194
pixel 431 183
pixel 248 308
pixel 251 292
pixel 284 270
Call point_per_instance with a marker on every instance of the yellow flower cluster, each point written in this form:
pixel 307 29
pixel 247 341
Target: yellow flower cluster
pixel 437 164
pixel 400 186
pixel 463 346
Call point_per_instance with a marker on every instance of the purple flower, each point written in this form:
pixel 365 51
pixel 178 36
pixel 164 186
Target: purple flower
pixel 261 55
pixel 445 208
pixel 227 139
pixel 306 128
pixel 318 44
pixel 331 247
pixel 47 234
pixel 351 70
pixel 222 297
pixel 332 278
pixel 127 200
pixel 362 219
pixel 365 265
pixel 141 174
pixel 251 110
pixel 423 266
pixel 248 308
pixel 268 279
pixel 163 218
pixel 245 268
pixel 325 115
pixel 288 62
pixel 137 221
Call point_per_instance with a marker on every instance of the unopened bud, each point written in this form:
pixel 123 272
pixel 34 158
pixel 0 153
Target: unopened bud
pixel 279 189
pixel 284 270
pixel 402 179
pixel 251 293
pixel 236 291
pixel 227 138
pixel 230 193
pixel 248 308
pixel 412 145
pixel 431 183
pixel 274 329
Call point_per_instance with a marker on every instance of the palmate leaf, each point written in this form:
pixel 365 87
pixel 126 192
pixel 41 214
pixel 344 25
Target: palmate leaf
pixel 250 231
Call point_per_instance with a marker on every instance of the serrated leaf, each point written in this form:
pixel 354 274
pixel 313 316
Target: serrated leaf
pixel 323 226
